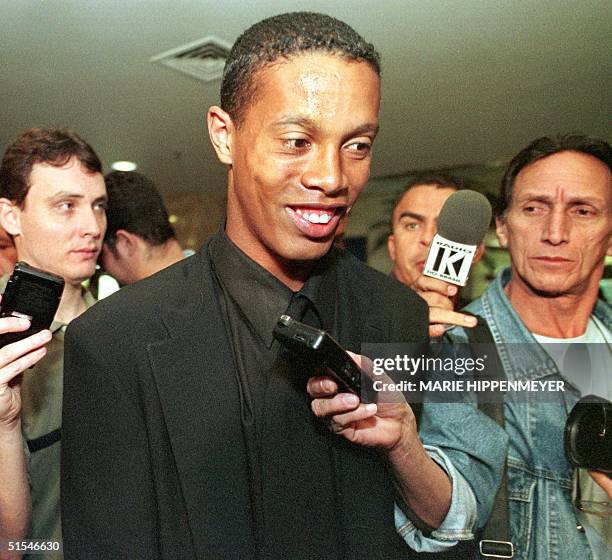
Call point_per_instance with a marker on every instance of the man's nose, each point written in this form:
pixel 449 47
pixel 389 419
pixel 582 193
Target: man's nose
pixel 92 223
pixel 428 231
pixel 324 171
pixel 556 227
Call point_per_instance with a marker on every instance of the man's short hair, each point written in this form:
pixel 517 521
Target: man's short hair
pixel 547 146
pixel 135 205
pixel 438 181
pixel 50 145
pixel 284 36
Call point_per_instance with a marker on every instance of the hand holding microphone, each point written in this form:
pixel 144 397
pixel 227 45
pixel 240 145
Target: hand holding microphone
pixel 462 225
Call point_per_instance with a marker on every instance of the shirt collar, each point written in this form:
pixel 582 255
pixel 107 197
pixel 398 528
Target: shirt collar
pixel 261 296
pixel 57 326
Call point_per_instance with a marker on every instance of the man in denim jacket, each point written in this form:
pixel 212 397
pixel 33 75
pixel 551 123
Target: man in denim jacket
pixel 557 226
pixel 474 446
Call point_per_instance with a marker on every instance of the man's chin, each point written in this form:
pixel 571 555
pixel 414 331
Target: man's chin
pixel 547 293
pixel 553 290
pixel 308 250
pixel 407 276
pixel 78 279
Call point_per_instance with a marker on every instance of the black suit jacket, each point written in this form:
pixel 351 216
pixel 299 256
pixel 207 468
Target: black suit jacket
pixel 152 444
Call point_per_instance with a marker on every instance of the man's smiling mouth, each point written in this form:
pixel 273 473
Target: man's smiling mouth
pixel 316 215
pixel 316 221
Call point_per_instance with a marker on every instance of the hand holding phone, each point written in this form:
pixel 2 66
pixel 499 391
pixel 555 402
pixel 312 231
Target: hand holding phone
pixel 318 348
pixel 32 294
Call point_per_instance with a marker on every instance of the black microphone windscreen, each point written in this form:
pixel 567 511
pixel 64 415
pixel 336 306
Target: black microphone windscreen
pixel 465 217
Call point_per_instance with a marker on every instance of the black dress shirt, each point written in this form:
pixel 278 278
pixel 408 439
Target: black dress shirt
pixel 273 398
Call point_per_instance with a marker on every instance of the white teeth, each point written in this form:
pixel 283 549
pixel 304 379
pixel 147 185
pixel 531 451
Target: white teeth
pixel 314 217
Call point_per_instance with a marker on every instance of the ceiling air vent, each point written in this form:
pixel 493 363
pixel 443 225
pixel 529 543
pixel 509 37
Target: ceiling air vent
pixel 202 59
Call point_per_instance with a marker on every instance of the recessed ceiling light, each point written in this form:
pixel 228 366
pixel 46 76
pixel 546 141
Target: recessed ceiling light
pixel 124 166
pixel 173 218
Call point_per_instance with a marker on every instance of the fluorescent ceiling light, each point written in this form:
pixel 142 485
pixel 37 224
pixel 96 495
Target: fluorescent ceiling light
pixel 124 166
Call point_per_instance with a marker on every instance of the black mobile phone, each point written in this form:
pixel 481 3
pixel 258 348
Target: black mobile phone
pixel 33 294
pixel 318 348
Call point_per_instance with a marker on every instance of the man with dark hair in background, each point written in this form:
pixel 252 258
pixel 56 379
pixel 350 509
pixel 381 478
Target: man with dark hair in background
pixel 557 226
pixel 414 225
pixel 52 203
pixel 139 238
pixel 194 436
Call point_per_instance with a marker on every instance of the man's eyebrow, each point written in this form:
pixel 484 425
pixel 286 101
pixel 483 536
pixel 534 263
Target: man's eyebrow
pixel 305 122
pixel 66 194
pixel 549 199
pixel 537 197
pixel 294 119
pixel 592 200
pixel 367 128
pixel 73 195
pixel 413 215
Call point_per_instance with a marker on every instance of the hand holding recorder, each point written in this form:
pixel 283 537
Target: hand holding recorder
pixel 31 294
pixel 15 358
pixel 462 225
pixel 337 392
pixel 27 308
pixel 390 427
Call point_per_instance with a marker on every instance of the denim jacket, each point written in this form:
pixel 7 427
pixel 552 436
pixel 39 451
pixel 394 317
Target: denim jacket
pixel 543 522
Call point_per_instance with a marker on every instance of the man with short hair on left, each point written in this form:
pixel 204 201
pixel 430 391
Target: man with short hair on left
pixel 52 203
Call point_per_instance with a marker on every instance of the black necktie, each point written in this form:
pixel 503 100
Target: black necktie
pixel 302 309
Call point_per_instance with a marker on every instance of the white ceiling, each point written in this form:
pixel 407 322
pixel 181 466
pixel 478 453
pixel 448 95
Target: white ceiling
pixel 465 81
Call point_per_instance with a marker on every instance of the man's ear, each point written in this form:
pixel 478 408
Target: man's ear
pixel 391 247
pixel 501 231
pixel 126 244
pixel 9 217
pixel 221 130
pixel 479 252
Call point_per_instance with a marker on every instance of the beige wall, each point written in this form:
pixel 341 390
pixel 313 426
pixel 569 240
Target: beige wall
pixel 198 216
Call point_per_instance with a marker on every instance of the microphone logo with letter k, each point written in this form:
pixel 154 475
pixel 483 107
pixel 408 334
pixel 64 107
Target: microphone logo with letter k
pixel 449 261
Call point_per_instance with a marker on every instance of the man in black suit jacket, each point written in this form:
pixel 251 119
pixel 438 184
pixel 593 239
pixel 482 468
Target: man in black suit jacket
pixel 187 432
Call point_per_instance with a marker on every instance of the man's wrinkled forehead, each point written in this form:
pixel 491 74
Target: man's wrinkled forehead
pixel 568 177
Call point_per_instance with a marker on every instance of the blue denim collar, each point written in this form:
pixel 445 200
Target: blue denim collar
pixel 529 360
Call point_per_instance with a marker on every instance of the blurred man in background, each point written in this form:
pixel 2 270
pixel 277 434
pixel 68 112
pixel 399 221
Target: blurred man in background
pixel 414 224
pixel 139 238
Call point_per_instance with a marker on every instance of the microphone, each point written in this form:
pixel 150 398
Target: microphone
pixel 462 224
